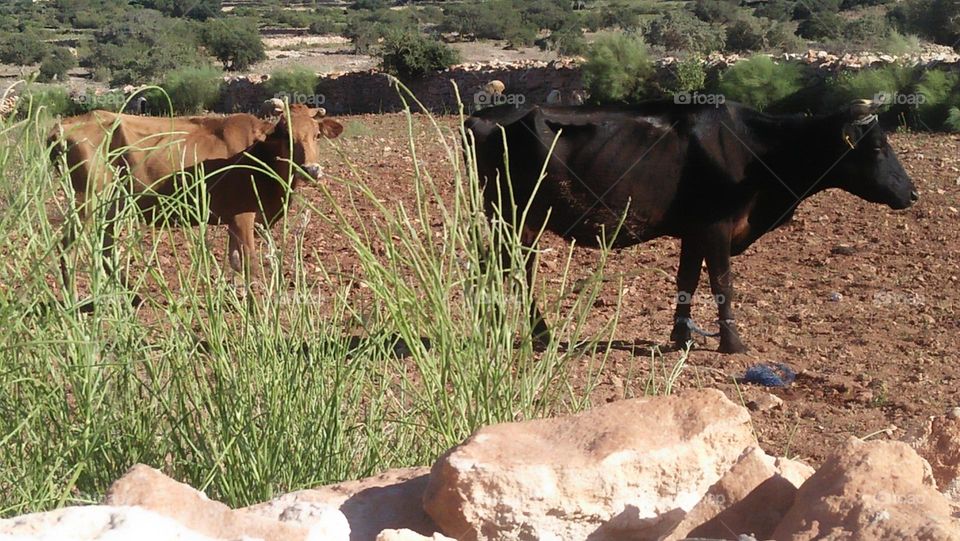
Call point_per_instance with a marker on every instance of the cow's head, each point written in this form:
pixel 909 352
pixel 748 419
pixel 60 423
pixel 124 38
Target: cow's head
pixel 306 126
pixel 868 166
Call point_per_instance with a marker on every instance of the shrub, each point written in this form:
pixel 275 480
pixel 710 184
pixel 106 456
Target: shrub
pixel 869 83
pixel 200 10
pixel 681 31
pixel 234 42
pixel 898 44
pixel 936 20
pixel 716 11
pixel 297 83
pixel 618 68
pixel 546 14
pixel 323 26
pixel 760 82
pixel 142 46
pixel 953 120
pixel 55 99
pixel 366 28
pixel 745 34
pixel 56 64
pixel 191 90
pixel 940 91
pixel 22 48
pixel 869 29
pixel 808 8
pixel 409 55
pixel 690 75
pixel 568 41
pixel 776 10
pixel 626 17
pixel 825 25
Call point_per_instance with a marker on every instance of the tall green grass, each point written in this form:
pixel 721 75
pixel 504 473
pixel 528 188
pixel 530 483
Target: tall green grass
pixel 248 391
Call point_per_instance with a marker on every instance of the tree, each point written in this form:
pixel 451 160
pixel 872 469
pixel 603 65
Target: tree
pixel 200 10
pixel 22 48
pixel 234 42
pixel 409 54
pixel 56 64
pixel 142 46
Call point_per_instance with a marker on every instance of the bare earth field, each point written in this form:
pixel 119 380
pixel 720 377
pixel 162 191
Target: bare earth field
pixel 860 300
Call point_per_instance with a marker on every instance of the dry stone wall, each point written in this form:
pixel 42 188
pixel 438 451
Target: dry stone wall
pixel 525 82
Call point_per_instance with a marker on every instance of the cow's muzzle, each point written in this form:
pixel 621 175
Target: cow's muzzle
pixel 314 170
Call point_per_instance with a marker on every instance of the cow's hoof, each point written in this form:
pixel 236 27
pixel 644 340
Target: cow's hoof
pixel 729 339
pixel 681 335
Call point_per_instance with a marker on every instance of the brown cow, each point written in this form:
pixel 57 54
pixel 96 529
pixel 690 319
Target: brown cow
pixel 158 157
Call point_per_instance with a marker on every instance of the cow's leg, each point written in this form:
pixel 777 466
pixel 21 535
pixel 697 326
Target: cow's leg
pixel 242 242
pixel 688 277
pixel 717 252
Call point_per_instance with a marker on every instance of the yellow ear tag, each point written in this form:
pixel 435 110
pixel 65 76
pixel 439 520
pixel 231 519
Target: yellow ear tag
pixel 849 141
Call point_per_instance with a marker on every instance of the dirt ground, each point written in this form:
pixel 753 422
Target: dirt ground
pixel 860 300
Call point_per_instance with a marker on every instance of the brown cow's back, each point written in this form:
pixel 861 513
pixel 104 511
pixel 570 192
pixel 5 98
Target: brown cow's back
pixel 151 148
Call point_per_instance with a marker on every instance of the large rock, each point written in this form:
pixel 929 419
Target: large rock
pixel 391 500
pixel 751 498
pixel 870 490
pixel 409 535
pixel 97 523
pixel 628 470
pixel 146 487
pixel 939 444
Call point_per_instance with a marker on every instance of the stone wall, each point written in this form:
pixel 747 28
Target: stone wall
pixel 527 82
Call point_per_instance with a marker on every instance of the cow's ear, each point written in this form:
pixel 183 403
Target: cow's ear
pixel 330 128
pixel 860 115
pixel 319 112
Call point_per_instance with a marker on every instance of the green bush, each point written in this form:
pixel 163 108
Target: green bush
pixel 323 26
pixel 939 92
pixel 54 99
pixel 56 63
pixel 191 91
pixel 716 11
pixel 142 46
pixel 896 43
pixel 936 20
pixel 200 10
pixel 746 34
pixel 776 10
pixel 618 68
pixel 567 41
pixel 681 31
pixel 867 30
pixel 22 48
pixel 690 75
pixel 953 120
pixel 760 82
pixel 869 83
pixel 298 84
pixel 234 42
pixel 825 25
pixel 366 28
pixel 409 55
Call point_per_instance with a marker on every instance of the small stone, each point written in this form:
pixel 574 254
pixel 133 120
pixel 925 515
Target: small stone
pixel 765 402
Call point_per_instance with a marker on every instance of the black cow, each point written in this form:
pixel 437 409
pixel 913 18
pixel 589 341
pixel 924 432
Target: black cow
pixel 716 177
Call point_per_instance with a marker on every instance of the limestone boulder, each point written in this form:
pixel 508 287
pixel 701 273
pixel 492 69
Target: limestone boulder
pixel 390 500
pixel 632 469
pixel 939 444
pixel 147 488
pixel 870 490
pixel 751 498
pixel 98 523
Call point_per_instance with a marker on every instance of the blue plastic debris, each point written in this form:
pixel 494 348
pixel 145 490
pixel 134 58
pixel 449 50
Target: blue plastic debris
pixel 769 375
